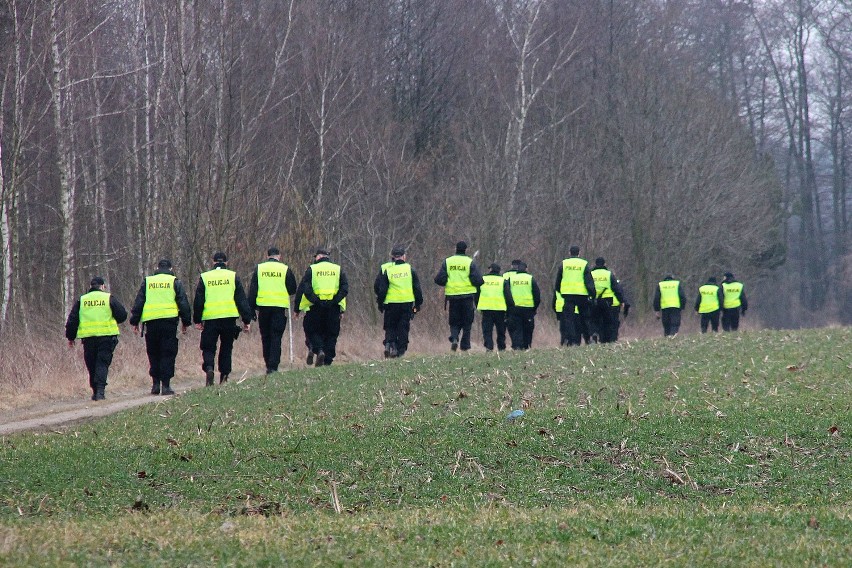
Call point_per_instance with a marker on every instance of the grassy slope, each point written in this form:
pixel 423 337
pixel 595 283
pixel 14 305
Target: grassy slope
pixel 720 449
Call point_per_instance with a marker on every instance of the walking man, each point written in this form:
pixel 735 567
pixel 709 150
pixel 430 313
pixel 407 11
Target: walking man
pixel 669 301
pixel 325 286
pixel 399 297
pixel 734 301
pixel 491 303
pixel 522 296
pixel 219 300
pixel 160 303
pixel 461 278
pixel 272 284
pixel 708 303
pixel 609 296
pixel 94 319
pixel 574 281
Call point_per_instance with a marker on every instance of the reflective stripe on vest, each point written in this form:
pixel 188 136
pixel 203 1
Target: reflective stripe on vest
pixel 160 300
pixel 603 283
pixel 669 294
pixel 709 299
pixel 219 287
pixel 491 293
pixel 732 292
pixel 520 286
pixel 400 284
pixel 325 279
pixel 573 281
pixel 272 284
pixel 96 316
pixel 458 276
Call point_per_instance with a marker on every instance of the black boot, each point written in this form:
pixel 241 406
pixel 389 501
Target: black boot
pixel 223 378
pixel 209 376
pixel 320 359
pixel 99 394
pixel 155 389
pixel 167 388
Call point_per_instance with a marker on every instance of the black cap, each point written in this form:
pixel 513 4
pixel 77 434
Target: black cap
pixel 669 276
pixel 322 251
pixel 97 281
pixel 522 266
pixel 220 256
pixel 729 276
pixel 599 261
pixel 164 264
pixel 461 246
pixel 575 250
pixel 712 279
pixel 272 251
pixel 515 263
pixel 494 267
pixel 398 250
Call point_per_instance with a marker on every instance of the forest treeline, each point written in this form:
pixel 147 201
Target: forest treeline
pixel 684 137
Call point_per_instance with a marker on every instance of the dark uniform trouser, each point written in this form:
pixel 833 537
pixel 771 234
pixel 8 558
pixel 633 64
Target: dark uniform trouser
pixel 576 325
pixel 605 319
pixel 272 321
pixel 161 344
pixel 563 328
pixel 97 352
pixel 494 319
pixel 711 318
pixel 671 320
pixel 521 324
pixel 397 324
pixel 221 331
pixel 461 320
pixel 730 319
pixel 322 326
pixel 615 314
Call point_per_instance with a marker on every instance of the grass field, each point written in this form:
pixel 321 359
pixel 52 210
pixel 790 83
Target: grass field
pixel 725 450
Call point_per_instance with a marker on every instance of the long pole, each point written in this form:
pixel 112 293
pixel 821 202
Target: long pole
pixel 291 334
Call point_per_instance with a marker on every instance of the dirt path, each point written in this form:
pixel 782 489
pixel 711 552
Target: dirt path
pixel 52 415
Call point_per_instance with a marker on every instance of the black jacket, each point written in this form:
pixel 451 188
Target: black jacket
pixel 184 311
pixel 507 292
pixel 73 322
pixel 475 277
pixel 246 313
pixel 289 282
pixel 587 280
pixel 382 285
pixel 306 286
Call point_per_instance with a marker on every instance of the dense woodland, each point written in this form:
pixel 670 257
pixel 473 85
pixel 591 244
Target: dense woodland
pixel 684 136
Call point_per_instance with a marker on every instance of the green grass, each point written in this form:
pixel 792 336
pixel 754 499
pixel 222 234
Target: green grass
pixel 723 450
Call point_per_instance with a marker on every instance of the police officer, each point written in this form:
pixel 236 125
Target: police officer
pixel 399 297
pixel 609 295
pixel 669 301
pixel 708 304
pixel 574 281
pixel 219 300
pixel 94 319
pixel 301 304
pixel 492 305
pixel 160 303
pixel 461 278
pixel 522 296
pixel 734 300
pixel 324 285
pixel 272 284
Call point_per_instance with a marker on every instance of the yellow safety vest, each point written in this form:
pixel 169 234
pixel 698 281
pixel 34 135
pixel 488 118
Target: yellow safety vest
pixel 491 294
pixel 272 284
pixel 732 292
pixel 520 286
pixel 573 281
pixel 669 296
pixel 96 318
pixel 305 304
pixel 400 284
pixel 560 302
pixel 603 283
pixel 325 279
pixel 709 299
pixel 219 287
pixel 458 276
pixel 386 265
pixel 160 300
